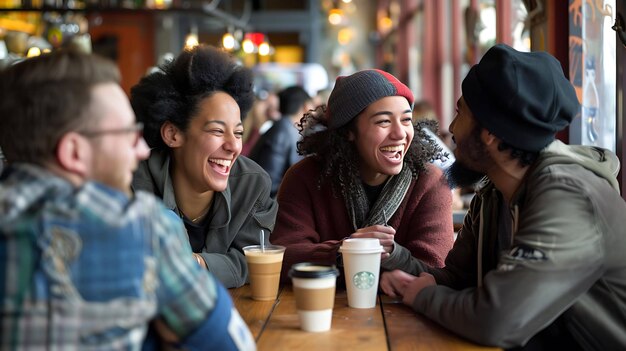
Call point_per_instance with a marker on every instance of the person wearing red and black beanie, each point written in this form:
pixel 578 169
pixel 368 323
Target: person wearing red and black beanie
pixel 367 173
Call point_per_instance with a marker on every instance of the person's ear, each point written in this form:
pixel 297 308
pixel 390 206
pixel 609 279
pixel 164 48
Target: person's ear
pixel 171 135
pixel 73 154
pixel 488 138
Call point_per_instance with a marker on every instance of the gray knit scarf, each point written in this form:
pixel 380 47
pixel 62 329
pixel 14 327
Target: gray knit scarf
pixel 388 201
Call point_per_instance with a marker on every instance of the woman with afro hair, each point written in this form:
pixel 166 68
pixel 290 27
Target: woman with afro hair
pixel 368 174
pixel 192 111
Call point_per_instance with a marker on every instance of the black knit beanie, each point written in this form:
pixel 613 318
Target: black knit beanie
pixel 522 98
pixel 353 93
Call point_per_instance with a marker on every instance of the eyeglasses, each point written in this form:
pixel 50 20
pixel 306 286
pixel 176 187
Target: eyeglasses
pixel 137 128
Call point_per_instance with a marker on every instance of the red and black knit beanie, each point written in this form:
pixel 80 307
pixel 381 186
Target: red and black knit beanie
pixel 353 93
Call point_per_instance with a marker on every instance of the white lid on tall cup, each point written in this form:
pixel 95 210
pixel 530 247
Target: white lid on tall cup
pixel 361 245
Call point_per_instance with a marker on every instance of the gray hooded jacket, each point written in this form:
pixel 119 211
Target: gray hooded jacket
pixel 566 258
pixel 238 213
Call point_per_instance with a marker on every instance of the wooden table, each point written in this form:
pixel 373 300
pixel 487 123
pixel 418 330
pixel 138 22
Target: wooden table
pixel 389 326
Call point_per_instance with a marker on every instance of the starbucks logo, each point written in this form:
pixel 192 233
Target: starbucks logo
pixel 363 280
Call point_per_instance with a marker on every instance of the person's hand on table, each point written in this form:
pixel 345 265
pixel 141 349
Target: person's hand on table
pixel 399 283
pixel 384 234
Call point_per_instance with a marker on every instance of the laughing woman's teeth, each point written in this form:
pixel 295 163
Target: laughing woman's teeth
pixel 392 148
pixel 225 163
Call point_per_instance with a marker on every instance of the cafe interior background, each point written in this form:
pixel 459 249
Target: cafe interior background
pixel 428 44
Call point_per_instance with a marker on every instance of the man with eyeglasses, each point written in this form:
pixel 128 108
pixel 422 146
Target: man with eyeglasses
pixel 84 264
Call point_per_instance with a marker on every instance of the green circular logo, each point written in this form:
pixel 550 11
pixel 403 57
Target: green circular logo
pixel 363 280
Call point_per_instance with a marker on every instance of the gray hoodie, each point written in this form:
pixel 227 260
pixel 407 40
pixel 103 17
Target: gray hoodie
pixel 565 262
pixel 238 213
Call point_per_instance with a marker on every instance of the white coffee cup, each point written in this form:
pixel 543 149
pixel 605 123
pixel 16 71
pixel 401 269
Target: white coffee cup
pixel 361 264
pixel 314 289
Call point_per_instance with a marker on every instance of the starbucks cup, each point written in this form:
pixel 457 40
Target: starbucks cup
pixel 314 289
pixel 361 264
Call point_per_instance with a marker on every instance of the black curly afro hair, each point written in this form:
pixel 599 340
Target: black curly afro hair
pixel 173 93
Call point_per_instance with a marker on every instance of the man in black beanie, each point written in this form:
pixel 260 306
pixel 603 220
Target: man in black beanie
pixel 540 262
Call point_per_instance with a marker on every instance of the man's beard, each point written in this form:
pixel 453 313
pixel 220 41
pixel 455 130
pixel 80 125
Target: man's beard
pixel 459 176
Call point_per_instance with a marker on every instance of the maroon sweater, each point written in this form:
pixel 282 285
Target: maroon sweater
pixel 311 222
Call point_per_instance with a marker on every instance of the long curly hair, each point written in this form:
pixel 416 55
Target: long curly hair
pixel 173 93
pixel 339 158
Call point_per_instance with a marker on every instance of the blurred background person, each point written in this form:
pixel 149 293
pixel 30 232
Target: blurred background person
pixel 368 174
pixel 262 115
pixel 192 112
pixel 321 97
pixel 276 150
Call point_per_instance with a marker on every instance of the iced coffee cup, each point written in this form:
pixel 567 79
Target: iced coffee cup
pixel 264 265
pixel 361 264
pixel 314 289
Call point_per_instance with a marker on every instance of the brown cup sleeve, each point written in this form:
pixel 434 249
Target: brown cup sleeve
pixel 314 299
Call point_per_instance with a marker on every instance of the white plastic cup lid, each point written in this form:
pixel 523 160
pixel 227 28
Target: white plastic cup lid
pixel 361 245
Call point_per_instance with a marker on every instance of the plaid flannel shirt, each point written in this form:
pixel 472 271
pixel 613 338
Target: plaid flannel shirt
pixel 88 268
